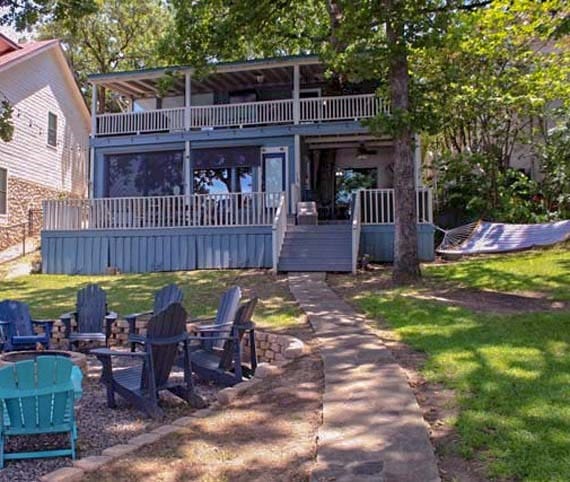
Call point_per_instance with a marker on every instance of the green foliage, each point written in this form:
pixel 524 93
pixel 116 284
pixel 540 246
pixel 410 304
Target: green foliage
pixel 116 35
pixel 555 164
pixel 6 124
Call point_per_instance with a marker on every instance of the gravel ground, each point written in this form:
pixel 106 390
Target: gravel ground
pixel 99 427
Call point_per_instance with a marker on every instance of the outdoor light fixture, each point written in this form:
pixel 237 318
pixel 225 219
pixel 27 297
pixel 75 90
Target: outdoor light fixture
pixel 260 78
pixel 339 172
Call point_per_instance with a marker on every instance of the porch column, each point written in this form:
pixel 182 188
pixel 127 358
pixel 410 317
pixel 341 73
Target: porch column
pixel 417 161
pixel 296 106
pixel 296 188
pixel 187 169
pixel 93 110
pixel 187 99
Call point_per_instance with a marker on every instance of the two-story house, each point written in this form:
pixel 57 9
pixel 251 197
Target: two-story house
pixel 206 172
pixel 47 155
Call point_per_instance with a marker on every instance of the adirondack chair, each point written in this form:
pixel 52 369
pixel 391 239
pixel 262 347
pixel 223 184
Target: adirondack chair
pixel 224 366
pixel 37 396
pixel 17 327
pixel 227 309
pixel 140 384
pixel 94 322
pixel 167 295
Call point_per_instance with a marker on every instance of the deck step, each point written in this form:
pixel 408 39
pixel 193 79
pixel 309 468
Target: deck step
pixel 317 248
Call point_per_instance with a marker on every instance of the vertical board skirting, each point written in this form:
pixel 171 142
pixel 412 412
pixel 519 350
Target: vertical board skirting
pixel 147 250
pixel 378 242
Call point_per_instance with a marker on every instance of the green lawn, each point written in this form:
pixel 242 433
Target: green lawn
pixel 546 271
pixel 51 295
pixel 511 373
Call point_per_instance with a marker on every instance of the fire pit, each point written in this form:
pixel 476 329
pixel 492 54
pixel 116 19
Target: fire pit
pixel 15 356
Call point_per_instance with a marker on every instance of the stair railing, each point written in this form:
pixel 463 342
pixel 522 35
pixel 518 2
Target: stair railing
pixel 356 223
pixel 278 230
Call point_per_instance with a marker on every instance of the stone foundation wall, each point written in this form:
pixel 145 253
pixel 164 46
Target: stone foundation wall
pixel 270 347
pixel 23 197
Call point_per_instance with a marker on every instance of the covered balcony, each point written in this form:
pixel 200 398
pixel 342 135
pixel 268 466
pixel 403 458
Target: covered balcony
pixel 293 90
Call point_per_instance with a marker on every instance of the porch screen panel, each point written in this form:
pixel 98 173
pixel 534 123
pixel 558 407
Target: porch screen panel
pixel 159 173
pixel 225 158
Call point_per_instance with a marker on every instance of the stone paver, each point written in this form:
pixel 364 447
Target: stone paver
pixel 65 474
pixel 372 428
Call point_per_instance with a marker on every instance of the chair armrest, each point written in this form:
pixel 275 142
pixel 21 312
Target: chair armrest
pixel 107 352
pixel 43 322
pixel 209 338
pixel 215 326
pixel 132 318
pixel 111 315
pixel 201 320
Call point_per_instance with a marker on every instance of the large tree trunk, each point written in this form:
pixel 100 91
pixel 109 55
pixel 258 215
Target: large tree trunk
pixel 406 262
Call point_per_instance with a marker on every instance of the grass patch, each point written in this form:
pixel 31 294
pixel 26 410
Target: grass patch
pixel 544 271
pixel 510 372
pixel 51 295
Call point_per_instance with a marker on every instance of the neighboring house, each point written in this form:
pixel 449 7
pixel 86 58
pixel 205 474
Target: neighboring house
pixel 206 172
pixel 47 156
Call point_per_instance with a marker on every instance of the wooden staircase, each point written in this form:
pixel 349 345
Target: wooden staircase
pixel 325 247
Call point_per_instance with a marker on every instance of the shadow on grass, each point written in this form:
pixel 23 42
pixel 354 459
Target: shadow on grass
pixel 51 295
pixel 511 375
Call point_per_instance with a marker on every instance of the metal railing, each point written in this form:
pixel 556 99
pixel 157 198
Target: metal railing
pixel 356 223
pixel 278 231
pixel 196 210
pixel 378 206
pixel 282 111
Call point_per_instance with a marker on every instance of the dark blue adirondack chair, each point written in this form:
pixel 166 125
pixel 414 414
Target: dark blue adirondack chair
pixel 93 320
pixel 140 384
pixel 227 309
pixel 167 295
pixel 17 327
pixel 37 396
pixel 224 366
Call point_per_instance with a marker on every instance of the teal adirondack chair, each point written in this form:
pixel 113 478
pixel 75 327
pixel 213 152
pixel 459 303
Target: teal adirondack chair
pixel 37 396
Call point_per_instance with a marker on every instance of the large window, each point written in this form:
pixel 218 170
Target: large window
pixel 52 129
pixel 3 191
pixel 220 171
pixel 144 174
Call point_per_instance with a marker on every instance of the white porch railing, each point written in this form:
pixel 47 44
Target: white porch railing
pixel 356 223
pixel 378 206
pixel 278 231
pixel 315 109
pixel 141 122
pixel 197 210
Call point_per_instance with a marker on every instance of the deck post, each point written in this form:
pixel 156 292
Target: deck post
pixel 187 169
pixel 296 105
pixel 187 99
pixel 93 110
pixel 417 161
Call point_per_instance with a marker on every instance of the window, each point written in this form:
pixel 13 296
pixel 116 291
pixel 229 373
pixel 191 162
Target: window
pixel 223 170
pixel 3 191
pixel 52 129
pixel 158 173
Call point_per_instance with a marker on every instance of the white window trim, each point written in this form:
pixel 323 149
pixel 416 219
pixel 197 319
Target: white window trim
pixel 52 146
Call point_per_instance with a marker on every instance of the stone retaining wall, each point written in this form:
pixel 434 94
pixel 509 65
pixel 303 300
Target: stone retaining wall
pixel 270 347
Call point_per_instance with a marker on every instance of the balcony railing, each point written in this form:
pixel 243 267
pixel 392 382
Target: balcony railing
pixel 315 109
pixel 207 210
pixel 197 210
pixel 378 206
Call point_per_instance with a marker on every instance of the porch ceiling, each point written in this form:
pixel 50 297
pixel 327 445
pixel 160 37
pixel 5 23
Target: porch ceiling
pixel 347 141
pixel 153 84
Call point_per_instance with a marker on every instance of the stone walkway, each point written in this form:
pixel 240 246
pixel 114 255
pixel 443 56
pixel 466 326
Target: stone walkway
pixel 372 428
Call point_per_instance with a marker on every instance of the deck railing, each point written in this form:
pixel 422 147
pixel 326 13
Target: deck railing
pixel 378 206
pixel 278 231
pixel 197 210
pixel 315 109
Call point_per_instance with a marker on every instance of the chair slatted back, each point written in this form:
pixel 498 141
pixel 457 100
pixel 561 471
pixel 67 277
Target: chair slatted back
pixel 91 309
pixel 168 324
pixel 244 315
pixel 36 394
pixel 167 295
pixel 227 309
pixel 18 314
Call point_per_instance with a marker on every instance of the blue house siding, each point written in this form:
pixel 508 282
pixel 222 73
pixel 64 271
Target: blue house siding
pixel 149 250
pixel 378 242
pixel 181 249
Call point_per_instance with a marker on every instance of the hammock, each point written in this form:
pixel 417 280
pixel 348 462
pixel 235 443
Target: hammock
pixel 483 237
